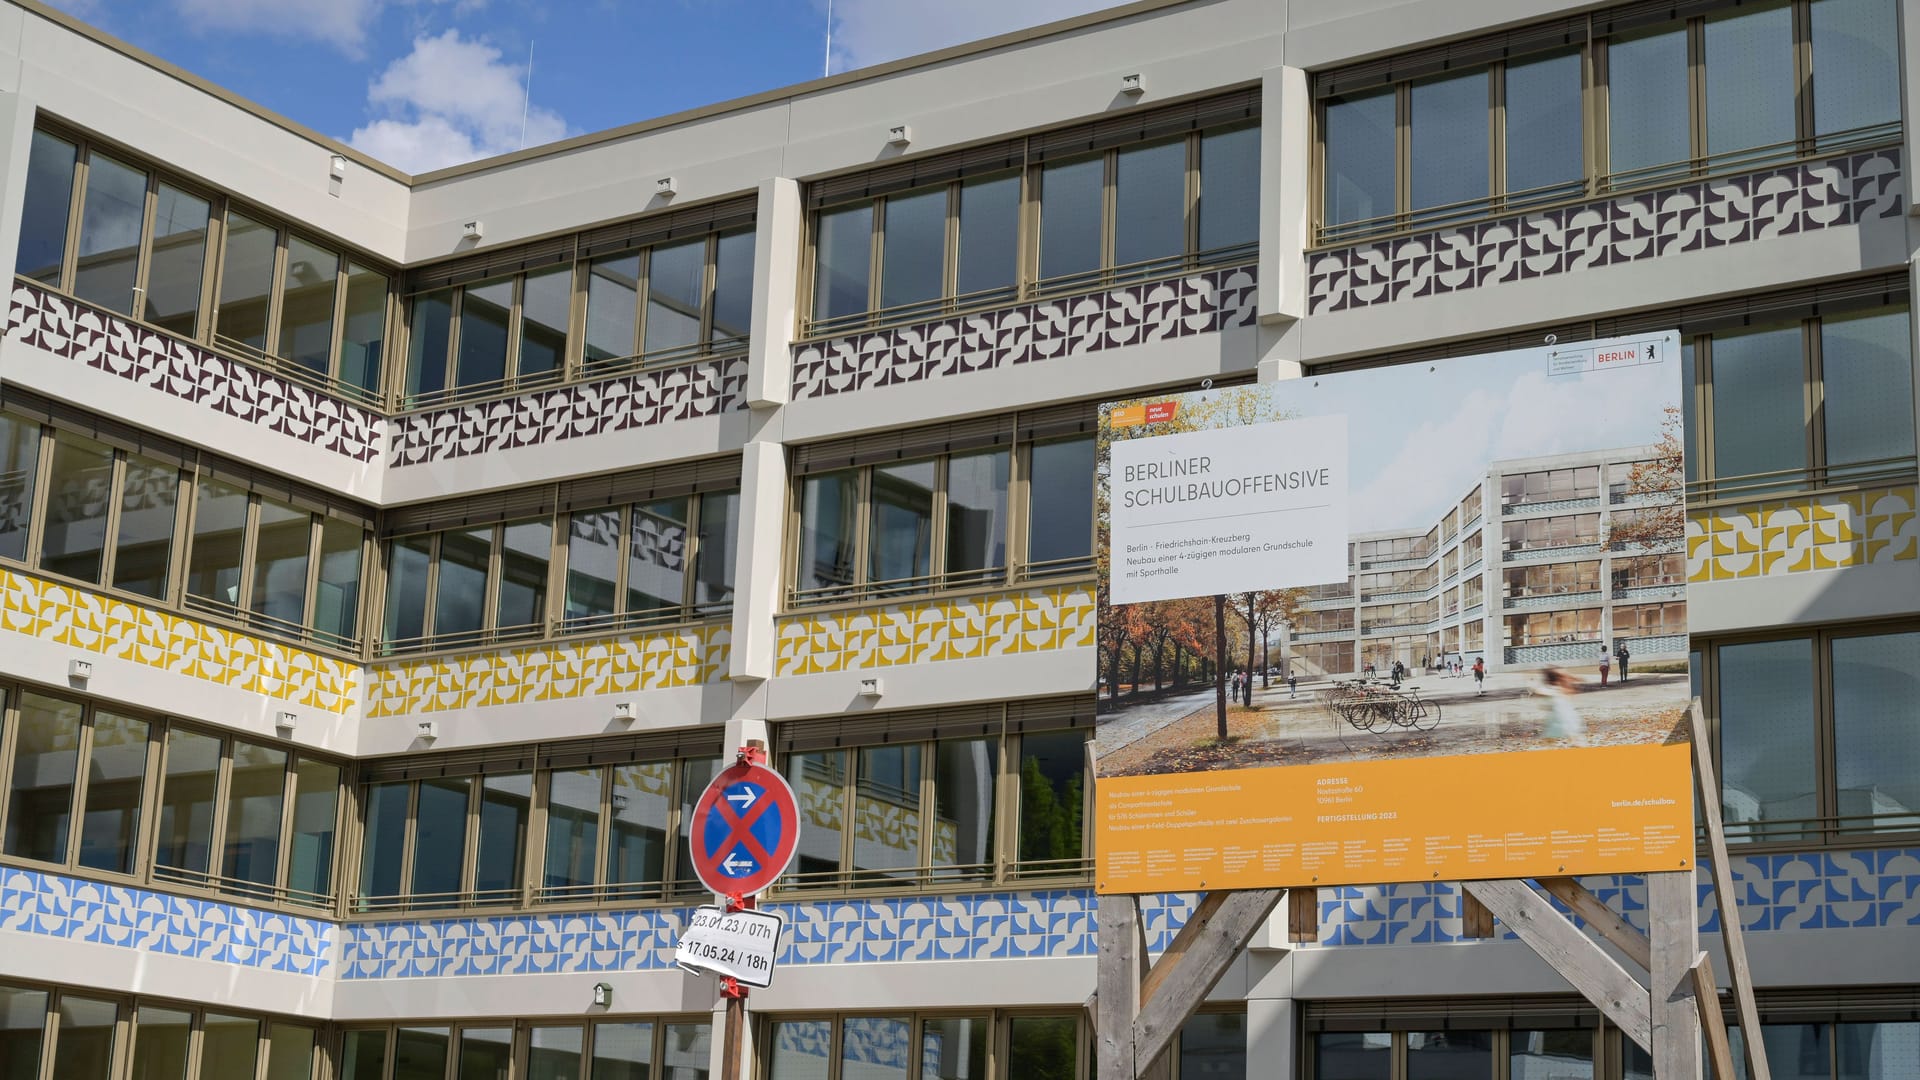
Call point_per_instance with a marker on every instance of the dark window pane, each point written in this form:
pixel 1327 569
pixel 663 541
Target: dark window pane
pixel 116 776
pixel 676 286
pixel 954 1047
pixel 829 506
pixel 900 540
pixel 43 217
pixel 719 549
pixel 1557 1054
pixel 246 282
pixel 178 264
pixel 408 562
pixel 1544 122
pixel 593 563
pixel 79 491
pixel 695 775
pixel 1856 70
pixel 1759 411
pixel 623 1052
pixel 23 1016
pixel 440 841
pixel 1449 1055
pixel 219 528
pixel 83 1050
pixel 1647 101
pixel 554 1053
pixel 843 259
pixel 1449 140
pixel 316 805
pixel 573 831
pixel 111 216
pixel 430 332
pixel 1042 1047
pixel 887 795
pixel 861 1041
pixel 1070 217
pixel 483 335
pixel 485 1054
pixel 19 468
pixel 963 793
pixel 525 548
pixel 1052 782
pixel 544 299
pixel 363 1055
pixel 364 336
pixel 1214 1045
pixel 1229 188
pixel 733 285
pixel 420 1053
pixel 657 557
pixel 820 782
pixel 460 600
pixel 637 852
pixel 913 255
pixel 1866 364
pixel 977 511
pixel 149 505
pixel 1359 138
pixel 280 554
pixel 256 797
pixel 40 797
pixel 1767 738
pixel 1876 732
pixel 989 235
pixel 1060 503
pixel 306 304
pixel 506 806
pixel 382 859
pixel 290 1052
pixel 1749 77
pixel 229 1046
pixel 1150 197
pixel 186 801
pixel 1889 1050
pixel 1353 1055
pixel 336 601
pixel 613 298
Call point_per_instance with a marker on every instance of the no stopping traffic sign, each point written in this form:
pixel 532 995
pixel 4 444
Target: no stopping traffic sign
pixel 746 829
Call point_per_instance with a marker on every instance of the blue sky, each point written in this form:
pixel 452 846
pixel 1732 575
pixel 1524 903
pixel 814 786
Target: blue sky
pixel 424 84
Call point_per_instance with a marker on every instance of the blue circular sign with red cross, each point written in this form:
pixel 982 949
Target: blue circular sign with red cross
pixel 746 829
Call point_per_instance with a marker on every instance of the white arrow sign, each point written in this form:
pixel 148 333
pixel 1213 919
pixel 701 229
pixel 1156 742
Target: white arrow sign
pixel 736 868
pixel 742 944
pixel 744 798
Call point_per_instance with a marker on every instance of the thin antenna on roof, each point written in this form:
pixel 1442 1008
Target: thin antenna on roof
pixel 526 98
pixel 826 68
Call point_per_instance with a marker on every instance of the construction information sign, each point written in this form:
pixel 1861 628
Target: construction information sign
pixel 1397 624
pixel 741 944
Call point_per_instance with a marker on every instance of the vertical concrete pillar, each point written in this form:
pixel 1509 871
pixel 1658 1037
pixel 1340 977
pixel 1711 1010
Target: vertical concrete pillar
pixel 1286 179
pixel 776 282
pixel 16 145
pixel 757 563
pixel 1273 1040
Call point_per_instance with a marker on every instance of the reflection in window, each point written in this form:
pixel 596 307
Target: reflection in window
pixel 306 304
pixel 544 300
pixel 1449 1055
pixel 23 1016
pixel 718 550
pixel 336 601
pixel 1866 386
pixel 460 599
pixel 185 840
pixel 283 538
pixel 733 285
pixel 80 488
pixel 862 1036
pixel 440 843
pixel 989 236
pixel 43 217
pixel 1060 514
pixel 1353 1055
pixel 1646 91
pixel 430 333
pixel 829 506
pixel 219 531
pixel 977 511
pixel 1215 1044
pixel 623 1051
pixel 506 806
pixel 420 1053
pixel 289 1052
pixel 383 840
pixel 525 548
pixel 888 790
pixel 1042 1047
pixel 1150 198
pixel 1448 140
pixel 83 1049
pixel 229 1045
pixel 954 1047
pixel 963 792
pixel 843 260
pixel 900 541
pixel 613 298
pixel 485 1053
pixel 484 311
pixel 1070 217
pixel 637 837
pixel 40 797
pixel 1544 124
pixel 656 556
pixel 676 287
pixel 1358 134
pixel 1562 1054
pixel 554 1053
pixel 112 213
pixel 363 338
pixel 246 281
pixel 695 775
pixel 1052 781
pixel 1759 405
pixel 256 796
pixel 1876 766
pixel 912 263
pixel 1229 206
pixel 573 831
pixel 1749 104
pixel 19 468
pixel 1766 745
pixel 316 802
pixel 1855 65
pixel 178 262
pixel 799 1050
pixel 143 548
pixel 593 563
pixel 363 1054
pixel 116 779
pixel 409 560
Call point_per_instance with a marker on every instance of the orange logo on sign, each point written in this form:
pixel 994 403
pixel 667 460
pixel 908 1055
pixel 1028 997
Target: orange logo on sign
pixel 1130 416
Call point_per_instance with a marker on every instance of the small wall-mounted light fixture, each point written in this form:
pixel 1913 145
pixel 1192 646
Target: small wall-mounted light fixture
pixel 473 230
pixel 337 167
pixel 603 995
pixel 284 722
pixel 870 688
pixel 429 729
pixel 899 135
pixel 80 670
pixel 666 187
pixel 1131 85
pixel 623 712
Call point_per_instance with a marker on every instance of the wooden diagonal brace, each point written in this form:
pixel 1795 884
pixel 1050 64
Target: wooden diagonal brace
pixel 1602 918
pixel 1732 934
pixel 1712 1022
pixel 1180 981
pixel 1573 954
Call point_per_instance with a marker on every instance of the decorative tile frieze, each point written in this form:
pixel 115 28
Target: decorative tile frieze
pixel 1802 533
pixel 930 631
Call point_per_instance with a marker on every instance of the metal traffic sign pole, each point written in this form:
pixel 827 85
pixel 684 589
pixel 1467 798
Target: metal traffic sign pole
pixel 746 831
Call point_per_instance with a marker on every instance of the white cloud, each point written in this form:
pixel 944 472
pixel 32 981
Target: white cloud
pixel 340 23
pixel 450 100
pixel 874 31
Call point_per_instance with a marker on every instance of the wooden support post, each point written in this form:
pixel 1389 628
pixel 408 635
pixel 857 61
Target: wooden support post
pixel 1712 1023
pixel 1675 941
pixel 730 1042
pixel 1573 954
pixel 1602 918
pixel 1303 914
pixel 1476 922
pixel 1189 976
pixel 1118 987
pixel 1732 934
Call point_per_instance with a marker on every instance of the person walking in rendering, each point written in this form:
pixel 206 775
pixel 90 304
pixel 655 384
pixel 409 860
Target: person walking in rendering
pixel 1564 723
pixel 1293 685
pixel 1620 652
pixel 1606 665
pixel 1480 674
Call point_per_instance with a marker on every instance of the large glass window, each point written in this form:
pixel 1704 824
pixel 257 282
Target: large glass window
pixel 1150 199
pixel 83 1048
pixel 112 212
pixel 1229 205
pixel 1043 1047
pixel 177 265
pixel 149 509
pixel 79 492
pixel 1866 363
pixel 676 294
pixel 23 1019
pixel 19 473
pixel 1767 746
pixel 1060 505
pixel 1448 131
pixel 187 793
pixel 900 535
pixel 1876 732
pixel 912 270
pixel 1856 61
pixel 115 783
pixel 829 509
pixel 256 797
pixel 843 261
pixel 1071 201
pixel 219 537
pixel 1052 786
pixel 1758 401
pixel 283 539
pixel 306 304
pixel 1543 131
pixel 316 809
pixel 44 215
pixel 40 793
pixel 1358 135
pixel 989 238
pixel 477 584
pixel 1749 104
pixel 363 337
